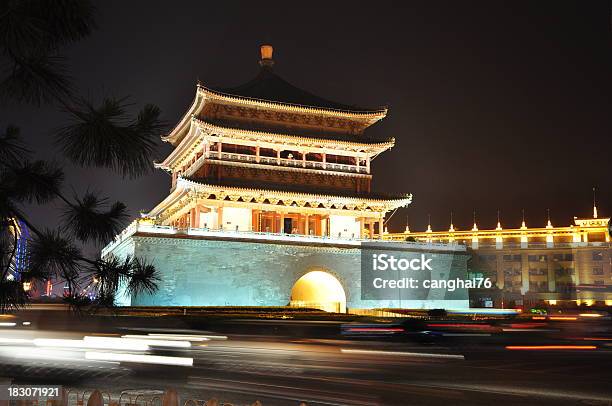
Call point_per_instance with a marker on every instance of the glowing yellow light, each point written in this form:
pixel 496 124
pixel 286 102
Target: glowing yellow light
pixel 589 302
pixel 552 302
pixel 266 51
pixel 608 302
pixel 319 289
pixel 590 315
pixel 27 286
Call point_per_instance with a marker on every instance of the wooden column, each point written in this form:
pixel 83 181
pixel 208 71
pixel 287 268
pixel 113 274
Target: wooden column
pixel 196 217
pixel 219 149
pixel 368 165
pixel 324 160
pixel 361 226
pixel 257 154
pixel 255 226
pixel 306 225
pixel 281 227
pixel 278 156
pixel 220 217
pixel 303 159
pixel 381 227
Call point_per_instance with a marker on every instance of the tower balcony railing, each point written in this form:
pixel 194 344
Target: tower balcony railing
pixel 340 239
pixel 296 163
pixel 529 245
pixel 543 245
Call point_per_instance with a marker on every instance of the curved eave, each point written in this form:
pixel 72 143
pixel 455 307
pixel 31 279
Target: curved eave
pixel 183 187
pixel 203 93
pixel 173 136
pixel 297 138
pixel 184 145
pixel 169 200
pixel 375 148
pixel 399 202
pixel 368 115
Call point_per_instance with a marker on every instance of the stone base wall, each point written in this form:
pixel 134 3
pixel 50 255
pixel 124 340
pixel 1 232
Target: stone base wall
pixel 208 272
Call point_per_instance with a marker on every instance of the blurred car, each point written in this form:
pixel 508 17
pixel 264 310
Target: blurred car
pixel 12 321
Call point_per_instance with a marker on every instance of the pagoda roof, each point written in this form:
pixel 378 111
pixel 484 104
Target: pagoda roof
pixel 252 191
pixel 187 142
pixel 296 188
pixel 269 87
pixel 348 139
pixel 268 91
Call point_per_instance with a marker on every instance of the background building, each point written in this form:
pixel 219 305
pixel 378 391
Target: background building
pixel 565 265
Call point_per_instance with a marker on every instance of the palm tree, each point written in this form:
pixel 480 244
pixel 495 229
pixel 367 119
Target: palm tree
pixel 32 35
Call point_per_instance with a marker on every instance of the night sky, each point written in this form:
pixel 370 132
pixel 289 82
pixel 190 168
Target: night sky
pixel 493 105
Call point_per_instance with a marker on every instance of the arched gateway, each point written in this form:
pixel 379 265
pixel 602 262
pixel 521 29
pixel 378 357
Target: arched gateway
pixel 319 290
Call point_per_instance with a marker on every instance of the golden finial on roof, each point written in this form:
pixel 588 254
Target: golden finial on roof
pixel 266 56
pixel 523 225
pixel 407 225
pixel 451 228
pixel 475 228
pixel 429 223
pixel 499 227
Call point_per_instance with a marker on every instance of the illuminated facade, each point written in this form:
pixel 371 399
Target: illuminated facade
pixel 529 265
pixel 245 161
pixel 21 235
pixel 21 264
pixel 271 183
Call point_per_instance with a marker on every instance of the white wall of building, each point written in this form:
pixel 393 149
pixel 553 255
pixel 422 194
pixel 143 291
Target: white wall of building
pixel 209 219
pixel 343 226
pixel 237 217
